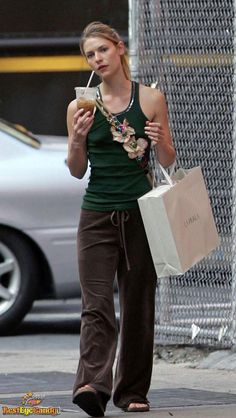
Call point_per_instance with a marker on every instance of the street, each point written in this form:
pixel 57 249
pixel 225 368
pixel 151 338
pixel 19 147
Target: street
pixel 41 360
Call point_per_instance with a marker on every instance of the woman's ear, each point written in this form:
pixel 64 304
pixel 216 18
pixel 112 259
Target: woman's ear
pixel 121 48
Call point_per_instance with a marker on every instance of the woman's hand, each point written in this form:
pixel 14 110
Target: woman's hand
pixel 81 124
pixel 154 131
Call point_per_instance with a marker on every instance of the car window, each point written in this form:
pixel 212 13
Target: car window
pixel 20 133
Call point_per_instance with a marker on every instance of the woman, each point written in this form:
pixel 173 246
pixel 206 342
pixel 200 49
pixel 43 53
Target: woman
pixel 111 238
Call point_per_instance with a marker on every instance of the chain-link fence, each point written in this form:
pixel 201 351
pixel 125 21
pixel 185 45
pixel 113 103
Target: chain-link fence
pixel 187 46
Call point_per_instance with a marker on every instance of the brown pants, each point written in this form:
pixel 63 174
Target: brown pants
pixel 110 243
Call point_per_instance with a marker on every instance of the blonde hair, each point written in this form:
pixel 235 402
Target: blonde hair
pixel 99 29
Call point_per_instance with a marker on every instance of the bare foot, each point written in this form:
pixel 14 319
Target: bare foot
pixel 138 407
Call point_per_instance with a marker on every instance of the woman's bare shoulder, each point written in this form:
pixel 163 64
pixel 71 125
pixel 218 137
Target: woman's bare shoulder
pixel 152 101
pixel 152 94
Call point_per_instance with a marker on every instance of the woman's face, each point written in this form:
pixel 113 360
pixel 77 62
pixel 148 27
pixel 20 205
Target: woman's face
pixel 103 56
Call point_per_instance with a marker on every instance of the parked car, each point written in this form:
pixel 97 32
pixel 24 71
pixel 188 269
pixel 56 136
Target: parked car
pixel 39 211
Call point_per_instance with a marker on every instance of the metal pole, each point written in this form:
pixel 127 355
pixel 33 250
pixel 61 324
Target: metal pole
pixel 133 38
pixel 233 311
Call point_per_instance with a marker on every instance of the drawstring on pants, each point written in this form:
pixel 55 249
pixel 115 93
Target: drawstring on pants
pixel 118 219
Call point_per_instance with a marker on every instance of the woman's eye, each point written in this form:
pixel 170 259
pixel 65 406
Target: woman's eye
pixel 89 56
pixel 104 49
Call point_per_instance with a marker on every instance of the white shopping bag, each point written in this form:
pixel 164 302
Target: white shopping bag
pixel 179 222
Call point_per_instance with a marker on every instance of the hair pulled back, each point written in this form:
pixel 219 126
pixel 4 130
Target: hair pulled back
pixel 101 30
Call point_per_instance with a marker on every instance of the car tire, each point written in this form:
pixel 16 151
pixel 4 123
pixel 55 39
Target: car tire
pixel 18 279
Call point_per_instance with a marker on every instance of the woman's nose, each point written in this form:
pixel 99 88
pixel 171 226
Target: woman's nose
pixel 97 56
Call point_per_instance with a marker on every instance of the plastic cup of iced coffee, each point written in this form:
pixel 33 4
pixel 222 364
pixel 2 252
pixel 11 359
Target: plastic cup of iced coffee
pixel 86 98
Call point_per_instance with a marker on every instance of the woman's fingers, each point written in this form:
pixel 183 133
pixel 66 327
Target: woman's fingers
pixel 86 126
pixel 80 117
pixel 82 122
pixel 154 131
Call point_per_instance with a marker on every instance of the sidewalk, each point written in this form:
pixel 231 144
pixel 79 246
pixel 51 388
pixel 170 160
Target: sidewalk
pixel 182 390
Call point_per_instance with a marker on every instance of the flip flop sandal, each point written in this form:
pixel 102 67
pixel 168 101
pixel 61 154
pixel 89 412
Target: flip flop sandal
pixel 89 399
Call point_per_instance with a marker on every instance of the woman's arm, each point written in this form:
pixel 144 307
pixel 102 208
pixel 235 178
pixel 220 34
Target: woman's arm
pixel 78 125
pixel 157 128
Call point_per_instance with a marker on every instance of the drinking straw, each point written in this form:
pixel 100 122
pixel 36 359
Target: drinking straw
pixel 90 79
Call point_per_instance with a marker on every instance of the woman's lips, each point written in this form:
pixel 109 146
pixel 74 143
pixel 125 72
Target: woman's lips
pixel 102 67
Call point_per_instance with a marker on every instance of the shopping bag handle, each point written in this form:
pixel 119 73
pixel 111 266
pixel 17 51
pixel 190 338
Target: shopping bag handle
pixel 155 166
pixel 166 175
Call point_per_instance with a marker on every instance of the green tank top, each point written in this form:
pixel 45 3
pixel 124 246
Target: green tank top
pixel 116 181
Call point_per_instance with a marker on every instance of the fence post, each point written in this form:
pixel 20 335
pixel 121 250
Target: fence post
pixel 133 38
pixel 233 307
